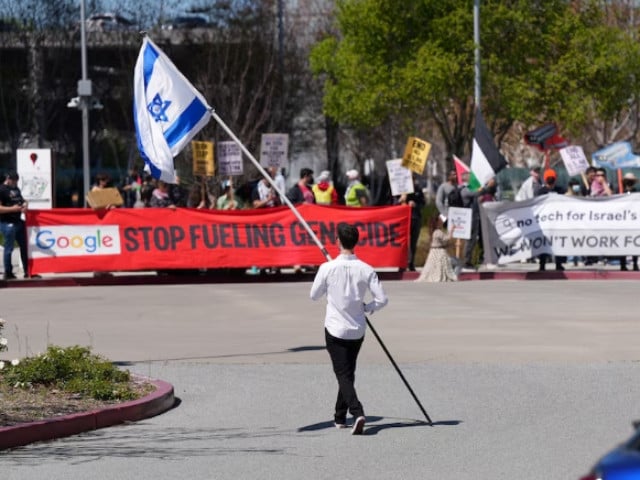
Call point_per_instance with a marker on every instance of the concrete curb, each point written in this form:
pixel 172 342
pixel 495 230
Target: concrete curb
pixel 235 277
pixel 157 402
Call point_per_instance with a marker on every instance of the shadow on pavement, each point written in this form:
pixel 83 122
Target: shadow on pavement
pixel 372 428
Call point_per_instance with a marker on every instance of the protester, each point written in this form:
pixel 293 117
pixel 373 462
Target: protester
pixel 438 267
pixel 417 202
pixel 550 187
pixel 443 192
pixel 345 281
pixel 473 199
pixel 264 195
pixel 600 186
pixel 574 189
pixel 324 191
pixel 12 226
pixel 130 188
pixel 103 181
pixel 629 185
pixel 161 196
pixel 228 200
pixel 302 191
pixel 589 175
pixel 146 189
pixel 278 179
pixel 356 195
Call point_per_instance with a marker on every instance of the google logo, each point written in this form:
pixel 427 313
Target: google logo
pixel 74 240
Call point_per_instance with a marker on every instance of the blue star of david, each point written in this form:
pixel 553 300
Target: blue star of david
pixel 158 108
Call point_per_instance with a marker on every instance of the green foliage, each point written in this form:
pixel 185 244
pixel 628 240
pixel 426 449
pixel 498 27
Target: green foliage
pixel 549 60
pixel 73 369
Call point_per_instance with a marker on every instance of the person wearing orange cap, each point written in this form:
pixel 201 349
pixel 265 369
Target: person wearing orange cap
pixel 550 176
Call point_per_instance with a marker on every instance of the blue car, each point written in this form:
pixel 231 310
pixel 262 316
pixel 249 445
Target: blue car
pixel 622 463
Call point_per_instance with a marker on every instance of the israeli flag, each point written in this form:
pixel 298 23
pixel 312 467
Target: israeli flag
pixel 167 110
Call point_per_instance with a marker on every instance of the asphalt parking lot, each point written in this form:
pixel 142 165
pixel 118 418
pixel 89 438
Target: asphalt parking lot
pixel 522 379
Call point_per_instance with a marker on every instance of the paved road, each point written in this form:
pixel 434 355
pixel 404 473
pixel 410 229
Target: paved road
pixel 523 380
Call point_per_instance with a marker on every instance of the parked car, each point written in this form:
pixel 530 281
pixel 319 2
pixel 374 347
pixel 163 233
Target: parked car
pixel 108 22
pixel 621 463
pixel 185 22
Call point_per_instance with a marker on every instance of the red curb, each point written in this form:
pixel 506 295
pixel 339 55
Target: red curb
pixel 213 278
pixel 159 401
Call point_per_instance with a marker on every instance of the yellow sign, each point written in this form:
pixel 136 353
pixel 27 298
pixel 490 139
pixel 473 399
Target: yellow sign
pixel 415 155
pixel 203 164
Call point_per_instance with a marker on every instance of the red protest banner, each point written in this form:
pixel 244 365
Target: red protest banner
pixel 78 240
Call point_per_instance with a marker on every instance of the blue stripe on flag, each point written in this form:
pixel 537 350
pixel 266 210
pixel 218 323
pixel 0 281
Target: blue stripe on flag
pixel 185 122
pixel 150 57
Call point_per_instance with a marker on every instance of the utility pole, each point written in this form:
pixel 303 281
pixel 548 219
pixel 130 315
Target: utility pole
pixel 84 92
pixel 476 40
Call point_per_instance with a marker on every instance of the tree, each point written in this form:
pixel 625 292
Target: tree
pixel 416 59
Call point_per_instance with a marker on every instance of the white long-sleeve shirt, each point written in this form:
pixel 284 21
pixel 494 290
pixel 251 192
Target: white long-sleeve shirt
pixel 346 280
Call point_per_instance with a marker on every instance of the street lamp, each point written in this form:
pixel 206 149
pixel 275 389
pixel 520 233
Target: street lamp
pixel 84 93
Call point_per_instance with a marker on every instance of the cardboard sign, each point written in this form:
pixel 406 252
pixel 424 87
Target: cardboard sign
pixel 274 150
pixel 203 164
pixel 415 155
pixel 229 159
pixel 574 160
pixel 104 197
pixel 400 178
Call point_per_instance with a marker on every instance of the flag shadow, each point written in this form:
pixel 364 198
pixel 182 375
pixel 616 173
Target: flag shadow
pixel 373 427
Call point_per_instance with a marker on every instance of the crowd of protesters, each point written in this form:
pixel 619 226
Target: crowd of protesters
pixel 140 190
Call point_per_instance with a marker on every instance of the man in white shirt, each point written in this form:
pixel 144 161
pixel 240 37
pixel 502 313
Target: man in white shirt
pixel 345 281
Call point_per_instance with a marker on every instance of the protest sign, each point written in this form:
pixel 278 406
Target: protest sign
pixel 561 225
pixel 229 159
pixel 400 179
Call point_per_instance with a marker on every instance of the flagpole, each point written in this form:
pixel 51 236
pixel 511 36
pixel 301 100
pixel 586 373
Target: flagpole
pixel 266 175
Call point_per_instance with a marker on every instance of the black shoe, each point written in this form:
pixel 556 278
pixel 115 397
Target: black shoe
pixel 412 267
pixel 623 268
pixel 9 276
pixel 559 268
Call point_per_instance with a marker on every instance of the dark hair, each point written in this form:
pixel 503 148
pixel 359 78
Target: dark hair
pixel 305 171
pixel 602 171
pixel 348 235
pixel 433 224
pixel 11 175
pixel 103 176
pixel 590 169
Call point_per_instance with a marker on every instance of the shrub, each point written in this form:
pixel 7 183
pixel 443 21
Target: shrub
pixel 72 369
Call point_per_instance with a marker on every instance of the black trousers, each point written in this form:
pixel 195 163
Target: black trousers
pixel 344 354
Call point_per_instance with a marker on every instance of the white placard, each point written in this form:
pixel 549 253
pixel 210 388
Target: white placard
pixel 400 178
pixel 229 157
pixel 35 171
pixel 459 222
pixel 574 159
pixel 274 150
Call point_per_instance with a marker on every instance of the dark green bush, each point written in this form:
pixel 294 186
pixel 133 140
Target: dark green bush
pixel 72 369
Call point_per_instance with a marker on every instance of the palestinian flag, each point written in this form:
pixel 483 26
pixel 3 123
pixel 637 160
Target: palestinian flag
pixel 461 169
pixel 486 160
